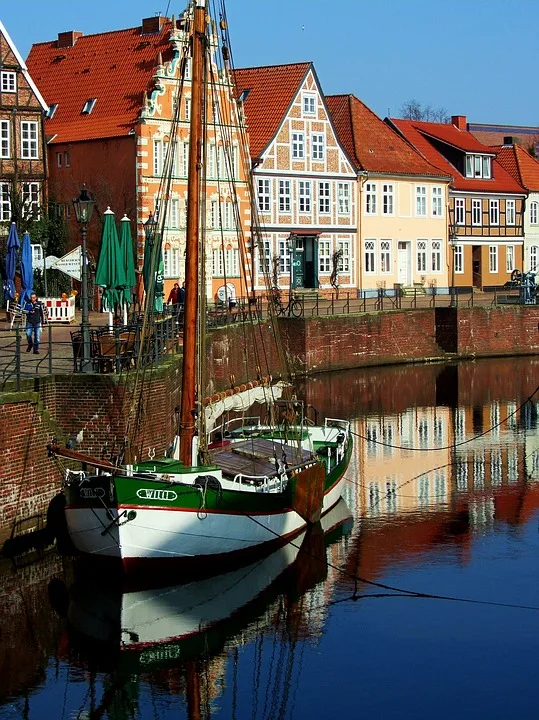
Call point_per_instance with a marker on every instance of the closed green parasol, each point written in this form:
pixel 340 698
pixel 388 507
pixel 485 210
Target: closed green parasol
pixel 111 274
pixel 126 248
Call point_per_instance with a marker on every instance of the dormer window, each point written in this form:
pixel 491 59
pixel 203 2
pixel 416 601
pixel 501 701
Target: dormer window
pixel 89 106
pixel 478 166
pixel 52 109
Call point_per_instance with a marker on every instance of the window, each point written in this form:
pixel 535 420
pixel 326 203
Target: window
pixel 30 200
pixel 323 197
pixel 230 266
pixel 215 215
pixel 157 157
pixel 486 167
pixel 478 166
pixel 534 214
pixel 174 213
pixel 4 139
pixel 318 148
pixel 476 212
pixel 37 255
pixel 421 256
pixel 437 202
pixel 421 201
pixel 59 159
pixel 387 199
pixel 284 196
pixel 493 258
pixel 187 109
pixel 344 261
pixel 459 211
pixel 5 202
pixel 385 256
pixel 458 258
pixel 89 106
pixel 298 146
pixel 67 159
pixel 8 81
pixel 29 140
pixel 469 166
pixel 285 253
pixel 304 196
pixel 509 258
pixel 534 253
pixel 324 256
pixel 436 256
pixel 494 212
pixel 211 171
pixel 343 197
pixel 510 212
pixel 171 262
pixel 370 256
pixel 264 257
pixel 309 104
pixel 370 199
pixel 264 196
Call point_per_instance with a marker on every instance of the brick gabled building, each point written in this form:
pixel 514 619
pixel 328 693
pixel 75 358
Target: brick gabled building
pixel 486 204
pixel 304 180
pixel 23 167
pixel 402 203
pixel 112 98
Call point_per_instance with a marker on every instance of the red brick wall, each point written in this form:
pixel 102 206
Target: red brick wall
pixel 509 330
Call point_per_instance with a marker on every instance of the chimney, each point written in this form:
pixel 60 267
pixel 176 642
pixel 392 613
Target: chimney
pixel 508 140
pixel 152 25
pixel 68 39
pixel 459 121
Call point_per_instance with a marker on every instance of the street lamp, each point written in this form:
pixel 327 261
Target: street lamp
pixel 83 207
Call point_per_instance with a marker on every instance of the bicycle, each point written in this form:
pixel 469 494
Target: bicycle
pixel 292 308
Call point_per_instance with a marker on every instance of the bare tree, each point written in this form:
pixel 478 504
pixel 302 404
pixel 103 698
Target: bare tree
pixel 414 110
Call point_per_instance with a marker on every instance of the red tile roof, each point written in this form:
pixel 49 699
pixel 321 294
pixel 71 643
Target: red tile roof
pixel 421 134
pixel 520 164
pixel 114 67
pixel 271 92
pixel 371 143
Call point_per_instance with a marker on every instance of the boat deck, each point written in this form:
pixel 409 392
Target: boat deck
pixel 256 457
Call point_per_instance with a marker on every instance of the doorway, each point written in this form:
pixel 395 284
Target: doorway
pixel 404 265
pixel 477 278
pixel 304 261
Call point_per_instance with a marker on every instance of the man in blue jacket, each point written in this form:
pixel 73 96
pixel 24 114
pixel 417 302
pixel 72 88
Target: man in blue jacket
pixel 35 317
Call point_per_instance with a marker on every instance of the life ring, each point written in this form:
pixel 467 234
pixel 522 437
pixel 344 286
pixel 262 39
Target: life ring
pixel 515 275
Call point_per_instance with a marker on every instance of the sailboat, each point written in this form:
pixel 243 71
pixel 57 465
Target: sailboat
pixel 231 487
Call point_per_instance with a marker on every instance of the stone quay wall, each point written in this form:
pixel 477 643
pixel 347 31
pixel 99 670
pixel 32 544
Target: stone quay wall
pixel 94 408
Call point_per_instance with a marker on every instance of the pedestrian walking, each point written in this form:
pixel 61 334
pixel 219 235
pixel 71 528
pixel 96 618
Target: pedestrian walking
pixel 174 298
pixel 36 316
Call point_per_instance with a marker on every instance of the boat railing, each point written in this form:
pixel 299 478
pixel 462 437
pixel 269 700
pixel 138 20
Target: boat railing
pixel 339 423
pixel 262 483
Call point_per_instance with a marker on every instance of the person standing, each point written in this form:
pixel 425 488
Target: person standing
pixel 35 317
pixel 174 298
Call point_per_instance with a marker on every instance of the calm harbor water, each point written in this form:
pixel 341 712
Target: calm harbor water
pixel 418 597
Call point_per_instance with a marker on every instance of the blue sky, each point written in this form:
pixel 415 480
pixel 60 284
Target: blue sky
pixel 472 57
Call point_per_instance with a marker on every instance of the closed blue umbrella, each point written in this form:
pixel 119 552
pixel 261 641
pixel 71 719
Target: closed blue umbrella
pixel 12 248
pixel 27 271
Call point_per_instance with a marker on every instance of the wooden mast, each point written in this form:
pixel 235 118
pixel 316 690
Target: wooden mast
pixel 187 411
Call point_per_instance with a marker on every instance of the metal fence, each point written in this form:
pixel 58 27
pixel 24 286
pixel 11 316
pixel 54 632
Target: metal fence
pixel 122 347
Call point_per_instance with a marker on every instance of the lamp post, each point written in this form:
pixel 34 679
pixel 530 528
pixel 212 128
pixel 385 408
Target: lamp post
pixel 84 206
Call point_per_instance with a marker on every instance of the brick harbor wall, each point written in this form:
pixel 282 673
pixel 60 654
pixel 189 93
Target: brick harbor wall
pixel 94 407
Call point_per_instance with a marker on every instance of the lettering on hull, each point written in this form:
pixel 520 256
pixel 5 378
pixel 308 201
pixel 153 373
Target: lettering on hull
pixel 154 494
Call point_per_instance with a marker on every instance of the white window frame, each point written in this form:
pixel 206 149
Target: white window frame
pixel 534 258
pixel 304 196
pixel 37 255
pixel 510 212
pixel 187 108
pixel 285 257
pixel 421 201
pixel 369 256
pixel 285 195
pixel 157 157
pixel 174 213
pixel 8 81
pixel 477 208
pixel 534 213
pixel 343 198
pixel 29 140
pixel 436 256
pixel 388 199
pixel 318 147
pixel 324 197
pixel 344 246
pixel 386 252
pixel 298 145
pixel 478 166
pixel 371 198
pixel 510 255
pixel 421 255
pixel 264 195
pixel 493 259
pixel 264 257
pixel 460 211
pixel 324 256
pixel 30 196
pixel 458 259
pixel 5 139
pixel 308 104
pixel 494 212
pixel 171 262
pixel 5 202
pixel 436 201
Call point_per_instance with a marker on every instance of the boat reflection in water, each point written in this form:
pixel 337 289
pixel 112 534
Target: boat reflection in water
pixel 146 629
